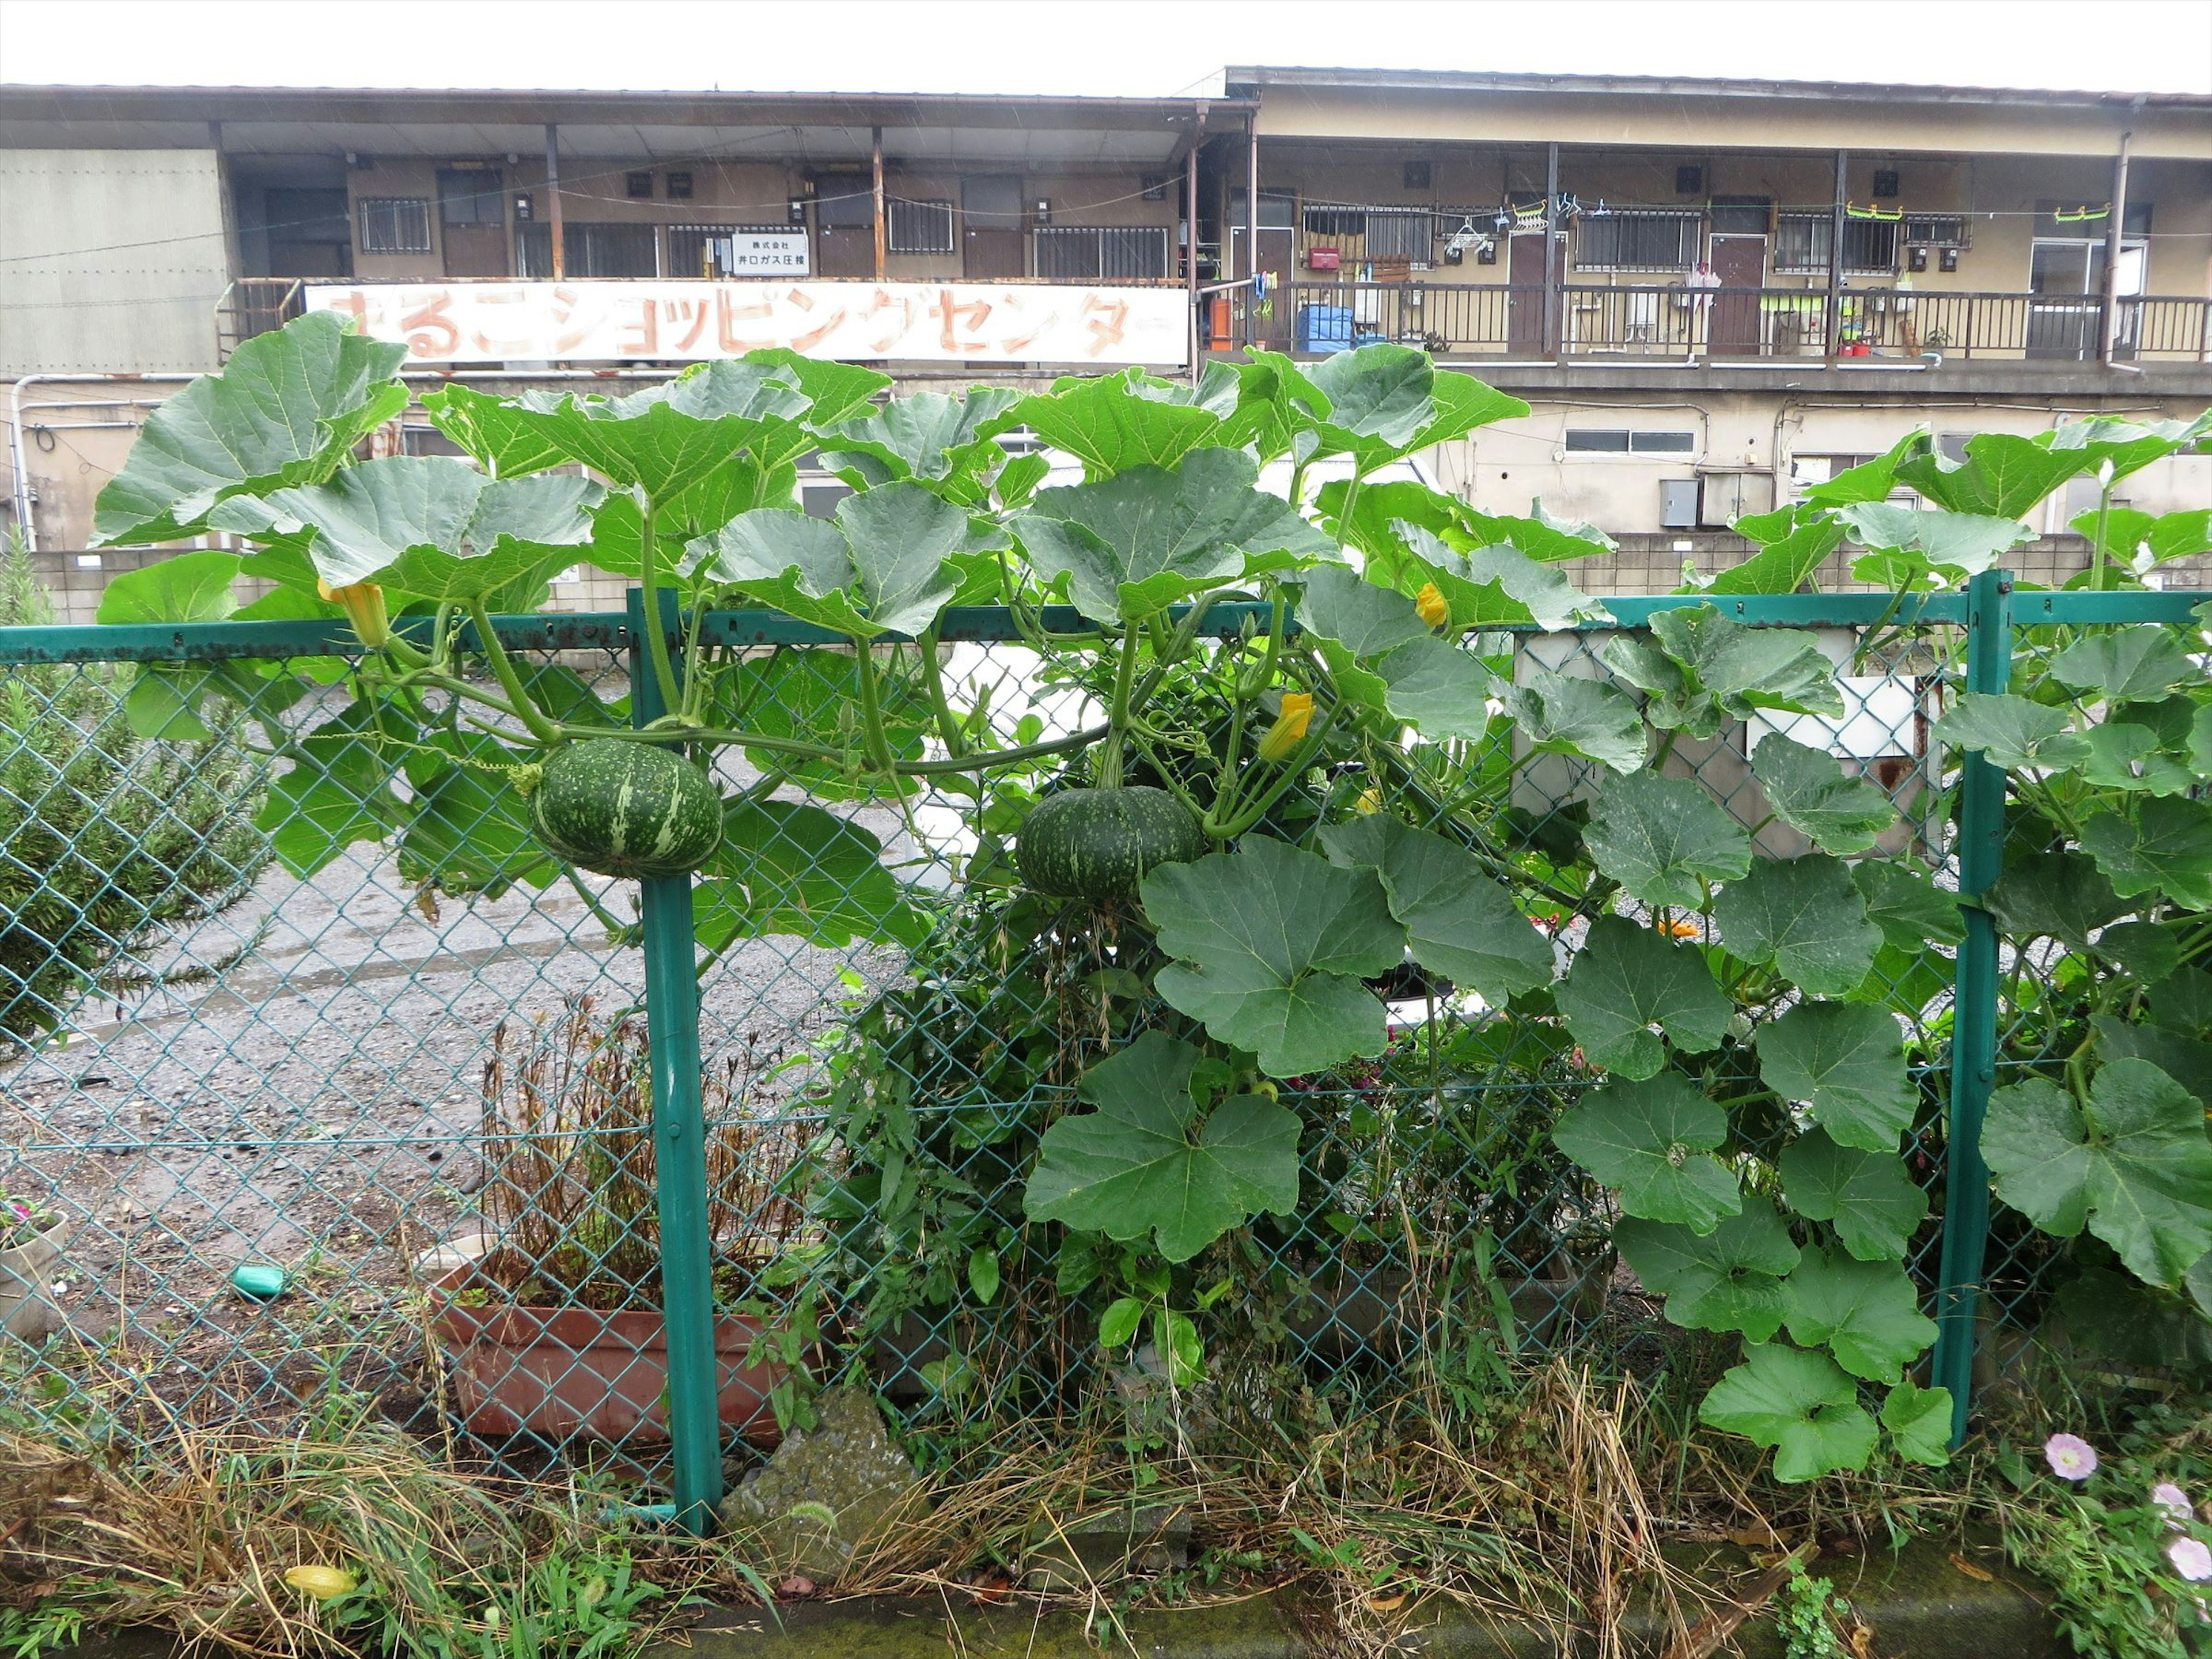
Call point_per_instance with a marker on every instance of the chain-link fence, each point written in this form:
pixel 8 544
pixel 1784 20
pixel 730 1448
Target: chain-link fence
pixel 407 1121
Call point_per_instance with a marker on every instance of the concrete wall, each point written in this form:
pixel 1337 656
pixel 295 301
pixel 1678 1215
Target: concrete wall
pixel 141 295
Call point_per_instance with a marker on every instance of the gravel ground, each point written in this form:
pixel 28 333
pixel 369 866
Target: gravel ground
pixel 317 1106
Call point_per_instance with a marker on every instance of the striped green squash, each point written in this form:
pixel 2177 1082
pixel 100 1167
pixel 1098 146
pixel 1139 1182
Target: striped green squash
pixel 626 809
pixel 1098 844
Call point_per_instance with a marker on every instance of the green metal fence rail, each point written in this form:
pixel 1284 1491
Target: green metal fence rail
pixel 1978 629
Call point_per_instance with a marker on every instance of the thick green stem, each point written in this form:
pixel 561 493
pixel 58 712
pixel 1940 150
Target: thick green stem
pixel 2096 546
pixel 876 746
pixel 656 637
pixel 1229 830
pixel 1117 717
pixel 510 682
pixel 948 723
pixel 781 746
pixel 1253 684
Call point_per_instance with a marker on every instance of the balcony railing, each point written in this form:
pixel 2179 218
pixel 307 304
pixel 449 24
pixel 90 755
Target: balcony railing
pixel 1585 321
pixel 254 305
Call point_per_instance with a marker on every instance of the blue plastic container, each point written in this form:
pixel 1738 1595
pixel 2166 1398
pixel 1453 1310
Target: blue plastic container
pixel 1324 328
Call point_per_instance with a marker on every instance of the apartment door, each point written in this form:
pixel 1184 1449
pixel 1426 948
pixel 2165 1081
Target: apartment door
pixel 472 222
pixel 991 242
pixel 1733 329
pixel 1524 271
pixel 1269 321
pixel 845 224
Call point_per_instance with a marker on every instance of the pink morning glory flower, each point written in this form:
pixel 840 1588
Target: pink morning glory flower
pixel 2179 1512
pixel 2191 1559
pixel 2071 1456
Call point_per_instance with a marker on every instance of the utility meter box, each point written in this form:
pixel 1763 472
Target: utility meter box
pixel 1678 503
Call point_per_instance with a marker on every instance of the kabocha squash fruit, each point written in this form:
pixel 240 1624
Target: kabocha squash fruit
pixel 1097 844
pixel 620 808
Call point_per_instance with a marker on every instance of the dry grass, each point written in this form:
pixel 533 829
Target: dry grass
pixel 569 1164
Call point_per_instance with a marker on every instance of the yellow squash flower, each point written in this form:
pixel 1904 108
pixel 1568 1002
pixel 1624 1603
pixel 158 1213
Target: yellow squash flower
pixel 364 609
pixel 1430 602
pixel 1289 730
pixel 1370 802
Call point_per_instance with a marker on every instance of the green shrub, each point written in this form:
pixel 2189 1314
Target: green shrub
pixel 110 844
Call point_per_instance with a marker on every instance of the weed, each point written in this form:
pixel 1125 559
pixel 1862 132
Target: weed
pixel 1810 1616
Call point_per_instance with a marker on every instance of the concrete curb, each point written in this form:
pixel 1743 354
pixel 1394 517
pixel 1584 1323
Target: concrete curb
pixel 1917 1603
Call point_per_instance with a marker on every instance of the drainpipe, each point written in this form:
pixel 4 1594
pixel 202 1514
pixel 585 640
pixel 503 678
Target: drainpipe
pixel 876 150
pixel 1554 341
pixel 1835 317
pixel 1251 221
pixel 1190 234
pixel 553 197
pixel 2115 227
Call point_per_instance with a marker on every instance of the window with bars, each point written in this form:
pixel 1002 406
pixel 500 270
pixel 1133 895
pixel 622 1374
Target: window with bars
pixel 1399 235
pixel 590 250
pixel 918 226
pixel 1936 229
pixel 1800 244
pixel 1636 241
pixel 1094 254
pixel 395 224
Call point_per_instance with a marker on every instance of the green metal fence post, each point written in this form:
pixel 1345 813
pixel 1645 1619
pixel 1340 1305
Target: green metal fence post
pixel 679 1145
pixel 1974 1010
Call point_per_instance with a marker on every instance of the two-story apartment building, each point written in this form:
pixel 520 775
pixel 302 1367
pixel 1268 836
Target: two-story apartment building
pixel 1711 293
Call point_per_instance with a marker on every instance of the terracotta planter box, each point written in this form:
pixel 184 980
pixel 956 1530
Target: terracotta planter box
pixel 24 1270
pixel 563 1372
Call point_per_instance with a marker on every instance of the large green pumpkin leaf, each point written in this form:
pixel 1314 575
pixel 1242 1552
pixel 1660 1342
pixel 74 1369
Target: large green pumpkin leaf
pixel 666 441
pixel 1791 544
pixel 2128 444
pixel 1873 1204
pixel 882 568
pixel 338 790
pixel 1804 916
pixel 1652 1141
pixel 1486 586
pixel 1866 1313
pixel 1141 1161
pixel 2167 848
pixel 1919 1422
pixel 1663 838
pixel 287 409
pixel 1271 945
pixel 470 832
pixel 188 587
pixel 2118 755
pixel 1910 909
pixel 1275 402
pixel 1132 544
pixel 2186 1060
pixel 1802 1405
pixel 1874 480
pixel 1729 1279
pixel 2127 663
pixel 1920 544
pixel 2010 731
pixel 1702 670
pixel 930 436
pixel 1568 714
pixel 2003 476
pixel 1809 793
pixel 2060 896
pixel 1845 1063
pixel 1461 922
pixel 2132 1163
pixel 1379 396
pixel 2134 539
pixel 431 526
pixel 1437 688
pixel 1356 623
pixel 1626 980
pixel 789 868
pixel 1108 425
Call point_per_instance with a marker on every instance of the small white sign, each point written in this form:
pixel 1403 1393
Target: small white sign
pixel 764 252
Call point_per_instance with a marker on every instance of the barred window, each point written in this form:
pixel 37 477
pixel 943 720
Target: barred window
pixel 1399 235
pixel 1936 230
pixel 1111 253
pixel 395 224
pixel 1636 241
pixel 1800 244
pixel 918 226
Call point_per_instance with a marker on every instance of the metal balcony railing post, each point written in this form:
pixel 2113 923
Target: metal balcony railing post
pixel 679 1145
pixel 1974 1011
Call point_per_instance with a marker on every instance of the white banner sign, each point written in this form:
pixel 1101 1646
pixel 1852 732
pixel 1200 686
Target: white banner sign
pixel 619 322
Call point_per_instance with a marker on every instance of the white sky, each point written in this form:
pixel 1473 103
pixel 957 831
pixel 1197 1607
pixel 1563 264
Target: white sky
pixel 1121 47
